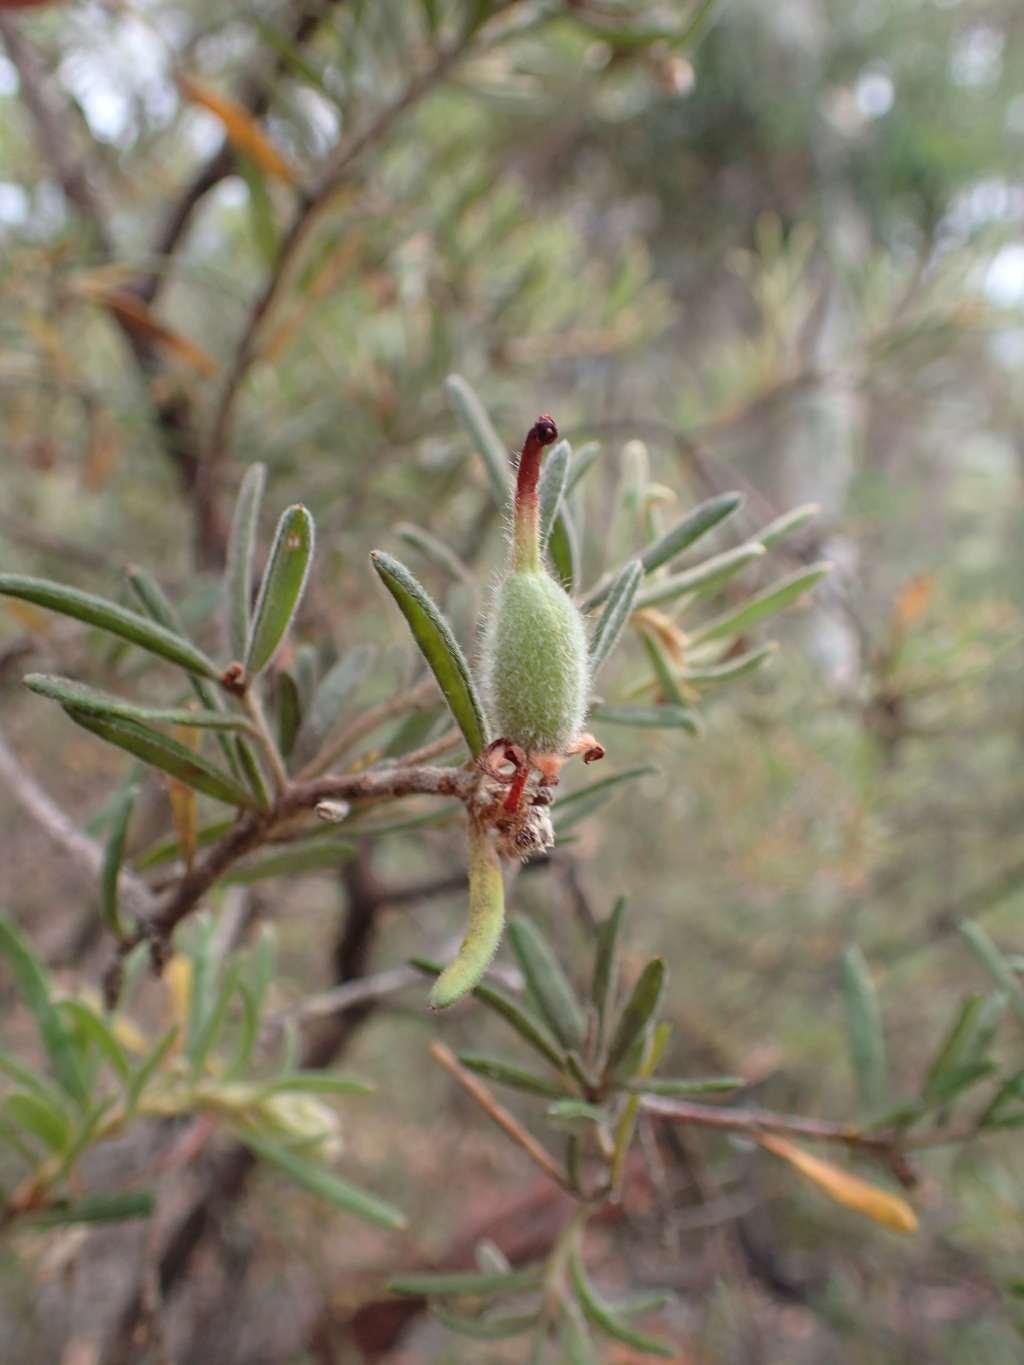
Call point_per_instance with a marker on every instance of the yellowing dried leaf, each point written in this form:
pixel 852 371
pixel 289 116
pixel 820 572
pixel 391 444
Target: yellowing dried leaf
pixel 889 1210
pixel 178 980
pixel 133 314
pixel 243 131
pixel 30 617
pixel 130 1036
pixel 103 453
pixel 913 599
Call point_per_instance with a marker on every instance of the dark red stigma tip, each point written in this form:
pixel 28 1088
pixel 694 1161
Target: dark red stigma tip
pixel 544 430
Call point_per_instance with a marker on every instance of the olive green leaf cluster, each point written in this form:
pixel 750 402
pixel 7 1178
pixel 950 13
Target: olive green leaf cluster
pixel 106 1072
pixel 594 1058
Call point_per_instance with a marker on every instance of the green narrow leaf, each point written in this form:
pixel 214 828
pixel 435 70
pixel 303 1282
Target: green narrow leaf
pixel 34 987
pixel 325 1184
pixel 574 1115
pixel 576 1340
pixel 606 1319
pixel 530 1029
pixel 955 1049
pixel 759 608
pixel 284 581
pixel 581 463
pixel 564 550
pixel 289 712
pixel 261 208
pixel 638 1012
pixel 96 611
pixel 333 693
pixel 99 1208
pixel 990 958
pixel 238 573
pixel 488 443
pixel 249 766
pixel 322 856
pixel 551 488
pixel 739 667
pixel 164 753
pixel 44 1121
pixel 112 858
pixel 785 525
pixel 150 1066
pixel 664 670
pixel 546 983
pixel 98 1032
pixel 650 717
pixel 864 1027
pixel 618 607
pixel 487 1326
pixel 457 1284
pixel 629 498
pixel 433 549
pixel 90 700
pixel 689 529
pixel 708 577
pixel 707 1085
pixel 508 1073
pixel 605 980
pixel 216 1017
pixel 439 647
pixel 570 810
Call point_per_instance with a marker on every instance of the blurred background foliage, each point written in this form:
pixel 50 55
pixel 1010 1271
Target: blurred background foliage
pixel 790 260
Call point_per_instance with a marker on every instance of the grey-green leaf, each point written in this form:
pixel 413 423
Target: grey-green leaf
pixel 486 1326
pixel 289 712
pixel 989 956
pixel 606 968
pixel 864 1027
pixel 284 581
pixel 439 647
pixel 551 488
pixel 488 443
pixel 706 578
pixel 508 1073
pixel 325 1184
pixel 44 1121
pixel 606 1319
pixel 333 693
pixel 762 606
pixel 99 1208
pixel 238 572
pixel 112 857
pixel 638 1012
pixel 650 717
pixel 323 855
pixel 456 1284
pixel 546 983
pixel 612 621
pixel 164 753
pixel 785 525
pixel 80 697
pixel 530 1029
pixel 570 810
pixel 564 549
pixel 33 983
pixel 96 611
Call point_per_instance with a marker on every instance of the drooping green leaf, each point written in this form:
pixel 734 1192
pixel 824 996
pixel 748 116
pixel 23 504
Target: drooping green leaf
pixel 546 983
pixel 43 1120
pixel 35 988
pixel 98 1208
pixel 650 717
pixel 990 958
pixel 439 647
pixel 486 1326
pixel 705 578
pixel 606 1319
pixel 618 607
pixel 333 693
pixel 323 855
pixel 284 581
pixel 604 982
pixel 79 697
pixel 637 1013
pixel 864 1027
pixel 324 1183
pixel 576 1340
pixel 166 754
pixel 551 488
pixel 112 857
pixel 96 611
pixel 488 443
pixel 509 1073
pixel 238 571
pixel 455 1284
pixel 762 606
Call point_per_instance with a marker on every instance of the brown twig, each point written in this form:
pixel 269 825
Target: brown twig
pixel 501 1116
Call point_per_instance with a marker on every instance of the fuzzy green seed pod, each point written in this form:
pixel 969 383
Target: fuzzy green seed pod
pixel 534 660
pixel 486 921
